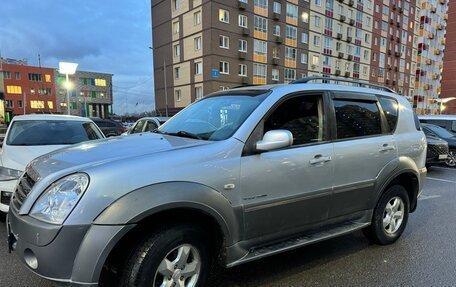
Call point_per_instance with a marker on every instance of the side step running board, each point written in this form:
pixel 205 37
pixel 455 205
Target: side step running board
pixel 296 242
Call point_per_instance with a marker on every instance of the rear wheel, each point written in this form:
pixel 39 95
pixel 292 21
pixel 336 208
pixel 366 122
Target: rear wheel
pixel 390 216
pixel 451 160
pixel 178 256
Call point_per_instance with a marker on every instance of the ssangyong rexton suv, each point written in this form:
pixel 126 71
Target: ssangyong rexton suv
pixel 237 176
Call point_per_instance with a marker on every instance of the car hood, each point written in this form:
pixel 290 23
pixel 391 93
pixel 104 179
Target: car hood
pixel 112 149
pixel 451 142
pixel 17 157
pixel 434 140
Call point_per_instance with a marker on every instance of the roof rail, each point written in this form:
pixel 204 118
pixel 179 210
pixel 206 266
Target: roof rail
pixel 305 80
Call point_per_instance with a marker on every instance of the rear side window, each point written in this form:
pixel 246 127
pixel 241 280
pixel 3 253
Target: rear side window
pixel 357 119
pixel 390 109
pixel 417 122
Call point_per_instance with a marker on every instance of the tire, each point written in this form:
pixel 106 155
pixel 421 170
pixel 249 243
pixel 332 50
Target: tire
pixel 142 267
pixel 2 216
pixel 451 161
pixel 397 200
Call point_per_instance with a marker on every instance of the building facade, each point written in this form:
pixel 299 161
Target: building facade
pixel 90 94
pixel 210 45
pixel 430 52
pixel 449 69
pixel 28 89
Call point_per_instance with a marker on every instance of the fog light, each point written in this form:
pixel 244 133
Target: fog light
pixel 30 259
pixel 5 197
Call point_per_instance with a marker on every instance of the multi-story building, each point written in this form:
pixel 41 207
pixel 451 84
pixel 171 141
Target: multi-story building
pixel 90 94
pixel 210 45
pixel 2 97
pixel 449 70
pixel 28 89
pixel 430 49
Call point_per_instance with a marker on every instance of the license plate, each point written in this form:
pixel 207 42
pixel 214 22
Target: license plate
pixel 443 156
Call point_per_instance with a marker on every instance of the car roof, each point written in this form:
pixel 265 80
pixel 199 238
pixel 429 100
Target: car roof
pixel 157 118
pixel 47 117
pixel 437 117
pixel 289 88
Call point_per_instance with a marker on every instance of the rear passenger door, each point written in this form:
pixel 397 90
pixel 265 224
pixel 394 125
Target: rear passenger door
pixel 363 146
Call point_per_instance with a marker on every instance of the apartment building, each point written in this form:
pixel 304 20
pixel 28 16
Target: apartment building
pixel 90 94
pixel 430 52
pixel 206 46
pixel 449 69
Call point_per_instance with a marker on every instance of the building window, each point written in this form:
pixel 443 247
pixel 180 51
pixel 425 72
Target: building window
pixel 177 4
pixel 224 42
pixel 277 7
pixel 178 95
pixel 276 31
pixel 316 41
pixel 47 78
pixel 305 17
pixel 19 104
pixel 304 38
pixel 260 71
pixel 317 21
pixel 6 75
pixel 291 33
pixel 177 50
pixel 199 93
pixel 260 47
pixel 100 82
pixel 34 77
pixel 242 70
pixel 224 67
pixel 315 60
pixel 177 73
pixel 14 90
pixel 260 24
pixel 9 103
pixel 263 4
pixel 304 58
pixel 243 46
pixel 275 74
pixel 17 75
pixel 290 54
pixel 197 18
pixel 290 75
pixel 224 16
pixel 198 68
pixel 243 21
pixel 292 11
pixel 37 104
pixel 198 43
pixel 176 27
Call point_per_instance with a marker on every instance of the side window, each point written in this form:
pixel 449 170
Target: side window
pixel 357 118
pixel 139 127
pixel 429 132
pixel 302 116
pixel 453 126
pixel 150 126
pixel 440 123
pixel 417 122
pixel 390 109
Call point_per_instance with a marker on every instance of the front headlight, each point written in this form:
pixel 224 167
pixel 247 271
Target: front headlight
pixel 7 174
pixel 59 199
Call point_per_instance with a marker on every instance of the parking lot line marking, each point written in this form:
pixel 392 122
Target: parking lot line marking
pixel 424 197
pixel 439 179
pixel 442 167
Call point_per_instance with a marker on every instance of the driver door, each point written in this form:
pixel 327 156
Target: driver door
pixel 289 190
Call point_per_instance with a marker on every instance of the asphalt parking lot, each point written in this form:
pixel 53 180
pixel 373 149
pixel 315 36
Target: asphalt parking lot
pixel 424 256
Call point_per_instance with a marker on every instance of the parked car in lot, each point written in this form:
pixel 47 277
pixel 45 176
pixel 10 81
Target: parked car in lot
pixel 31 136
pixel 439 132
pixel 447 122
pixel 243 174
pixel 437 150
pixel 146 124
pixel 109 128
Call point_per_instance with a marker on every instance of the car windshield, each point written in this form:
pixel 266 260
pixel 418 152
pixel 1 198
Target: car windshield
pixel 44 132
pixel 214 118
pixel 441 132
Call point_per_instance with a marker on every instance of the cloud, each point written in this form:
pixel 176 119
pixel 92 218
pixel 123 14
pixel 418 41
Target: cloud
pixel 103 36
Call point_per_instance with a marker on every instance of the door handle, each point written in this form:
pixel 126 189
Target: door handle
pixel 387 147
pixel 320 159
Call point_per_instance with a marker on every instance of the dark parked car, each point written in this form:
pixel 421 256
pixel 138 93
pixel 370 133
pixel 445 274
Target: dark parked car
pixel 439 132
pixel 109 128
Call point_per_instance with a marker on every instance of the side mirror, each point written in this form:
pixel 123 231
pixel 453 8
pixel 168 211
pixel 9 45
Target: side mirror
pixel 275 139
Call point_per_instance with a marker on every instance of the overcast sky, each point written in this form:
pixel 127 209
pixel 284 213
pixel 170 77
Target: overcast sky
pixel 109 36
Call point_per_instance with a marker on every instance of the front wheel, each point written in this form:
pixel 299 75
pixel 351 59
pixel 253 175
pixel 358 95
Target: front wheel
pixel 451 160
pixel 178 256
pixel 390 216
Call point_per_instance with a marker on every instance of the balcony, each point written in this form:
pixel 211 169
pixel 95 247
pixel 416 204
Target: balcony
pixel 242 55
pixel 242 5
pixel 275 61
pixel 340 55
pixel 342 18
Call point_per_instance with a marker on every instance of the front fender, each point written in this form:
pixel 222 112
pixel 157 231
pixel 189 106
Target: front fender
pixel 149 200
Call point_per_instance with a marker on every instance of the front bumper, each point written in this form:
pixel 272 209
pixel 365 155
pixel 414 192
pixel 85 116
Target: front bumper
pixel 73 255
pixel 6 191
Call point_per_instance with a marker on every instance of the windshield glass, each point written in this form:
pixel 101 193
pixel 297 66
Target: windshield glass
pixel 441 132
pixel 33 133
pixel 214 118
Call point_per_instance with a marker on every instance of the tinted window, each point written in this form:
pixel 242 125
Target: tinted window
pixel 440 132
pixel 150 126
pixel 302 116
pixel 30 133
pixel 390 109
pixel 453 126
pixel 138 127
pixel 357 119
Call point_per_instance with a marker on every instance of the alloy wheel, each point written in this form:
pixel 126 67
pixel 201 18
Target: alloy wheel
pixel 451 160
pixel 393 215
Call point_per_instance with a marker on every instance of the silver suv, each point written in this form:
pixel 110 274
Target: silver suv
pixel 235 177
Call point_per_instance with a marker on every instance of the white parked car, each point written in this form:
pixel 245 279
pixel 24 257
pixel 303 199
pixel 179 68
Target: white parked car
pixel 31 136
pixel 146 124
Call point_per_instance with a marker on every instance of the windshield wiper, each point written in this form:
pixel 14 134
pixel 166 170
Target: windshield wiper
pixel 156 131
pixel 186 134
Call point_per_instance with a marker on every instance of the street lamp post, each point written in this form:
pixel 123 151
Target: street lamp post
pixel 166 86
pixel 67 69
